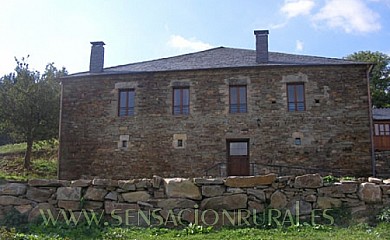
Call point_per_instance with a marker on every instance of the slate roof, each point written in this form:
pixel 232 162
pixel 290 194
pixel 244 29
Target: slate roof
pixel 381 113
pixel 220 57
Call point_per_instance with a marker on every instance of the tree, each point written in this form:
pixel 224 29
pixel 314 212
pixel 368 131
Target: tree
pixel 30 104
pixel 380 76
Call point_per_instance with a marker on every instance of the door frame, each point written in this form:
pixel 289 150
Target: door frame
pixel 244 158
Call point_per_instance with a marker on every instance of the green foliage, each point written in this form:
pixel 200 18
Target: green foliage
pixel 43 165
pixel 384 215
pixel 30 104
pixel 348 178
pixel 13 148
pixel 110 233
pixel 192 229
pixel 380 77
pixel 45 144
pixel 330 179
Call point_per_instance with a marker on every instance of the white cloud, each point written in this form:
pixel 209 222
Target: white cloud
pixel 295 8
pixel 350 15
pixel 192 44
pixel 299 46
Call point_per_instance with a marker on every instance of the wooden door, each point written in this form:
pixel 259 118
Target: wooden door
pixel 238 157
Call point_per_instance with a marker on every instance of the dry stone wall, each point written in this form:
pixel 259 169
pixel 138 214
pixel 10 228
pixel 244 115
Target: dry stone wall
pixel 206 201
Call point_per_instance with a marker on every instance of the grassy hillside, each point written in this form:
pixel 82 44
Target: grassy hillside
pixel 44 161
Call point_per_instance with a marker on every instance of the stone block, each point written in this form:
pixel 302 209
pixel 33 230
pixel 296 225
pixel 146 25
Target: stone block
pixel 46 208
pixel 181 188
pixel 254 205
pixel 81 183
pixel 375 180
pixel 111 196
pixel 48 183
pixel 110 207
pixel 234 190
pixel 308 181
pixel 127 185
pixel 12 200
pixel 208 181
pixel 278 200
pixel 23 209
pixel 370 193
pixel 105 182
pixel 157 181
pixel 95 194
pixel 176 203
pixel 328 202
pixel 39 194
pixel 69 205
pixel 136 196
pixel 338 189
pixel 250 181
pixel 231 202
pixel 299 206
pixel 212 190
pixel 259 194
pixel 92 205
pixel 15 189
pixel 69 193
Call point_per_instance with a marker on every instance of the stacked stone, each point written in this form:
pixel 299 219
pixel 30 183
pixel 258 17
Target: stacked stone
pixel 179 200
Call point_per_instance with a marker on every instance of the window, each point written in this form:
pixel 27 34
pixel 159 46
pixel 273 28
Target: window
pixel 123 143
pixel 382 129
pixel 237 98
pixel 126 102
pixel 181 101
pixel 296 97
pixel 238 149
pixel 180 143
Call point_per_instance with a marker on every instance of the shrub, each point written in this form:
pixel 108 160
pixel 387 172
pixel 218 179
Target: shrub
pixel 384 215
pixel 330 179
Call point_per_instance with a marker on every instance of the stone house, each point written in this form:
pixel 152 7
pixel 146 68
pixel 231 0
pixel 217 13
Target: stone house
pixel 223 111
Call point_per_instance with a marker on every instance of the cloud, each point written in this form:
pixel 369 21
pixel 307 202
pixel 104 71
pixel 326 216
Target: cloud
pixel 350 15
pixel 192 44
pixel 299 46
pixel 293 8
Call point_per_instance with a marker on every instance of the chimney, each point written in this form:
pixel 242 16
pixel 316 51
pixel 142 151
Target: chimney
pixel 97 57
pixel 261 46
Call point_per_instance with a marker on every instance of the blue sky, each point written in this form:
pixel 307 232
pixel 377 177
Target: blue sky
pixel 60 31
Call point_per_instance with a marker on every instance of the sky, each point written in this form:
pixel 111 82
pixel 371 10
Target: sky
pixel 60 31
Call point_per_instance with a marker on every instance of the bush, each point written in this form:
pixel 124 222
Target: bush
pixel 384 215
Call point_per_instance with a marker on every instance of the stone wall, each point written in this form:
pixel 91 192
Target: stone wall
pixel 382 162
pixel 176 201
pixel 333 132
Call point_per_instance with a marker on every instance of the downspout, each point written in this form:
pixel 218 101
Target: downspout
pixel 373 162
pixel 59 162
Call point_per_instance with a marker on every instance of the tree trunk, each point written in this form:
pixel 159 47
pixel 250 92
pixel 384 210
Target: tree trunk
pixel 27 156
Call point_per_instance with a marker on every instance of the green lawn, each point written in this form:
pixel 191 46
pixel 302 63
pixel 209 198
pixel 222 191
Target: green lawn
pixel 382 231
pixel 44 161
pixel 13 148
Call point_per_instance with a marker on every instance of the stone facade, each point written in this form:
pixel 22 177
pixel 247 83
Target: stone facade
pixel 334 131
pixel 178 201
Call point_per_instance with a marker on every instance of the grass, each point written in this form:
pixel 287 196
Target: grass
pixel 13 148
pixel 382 231
pixel 44 161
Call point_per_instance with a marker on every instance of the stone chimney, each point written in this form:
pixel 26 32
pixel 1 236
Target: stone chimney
pixel 97 57
pixel 261 46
